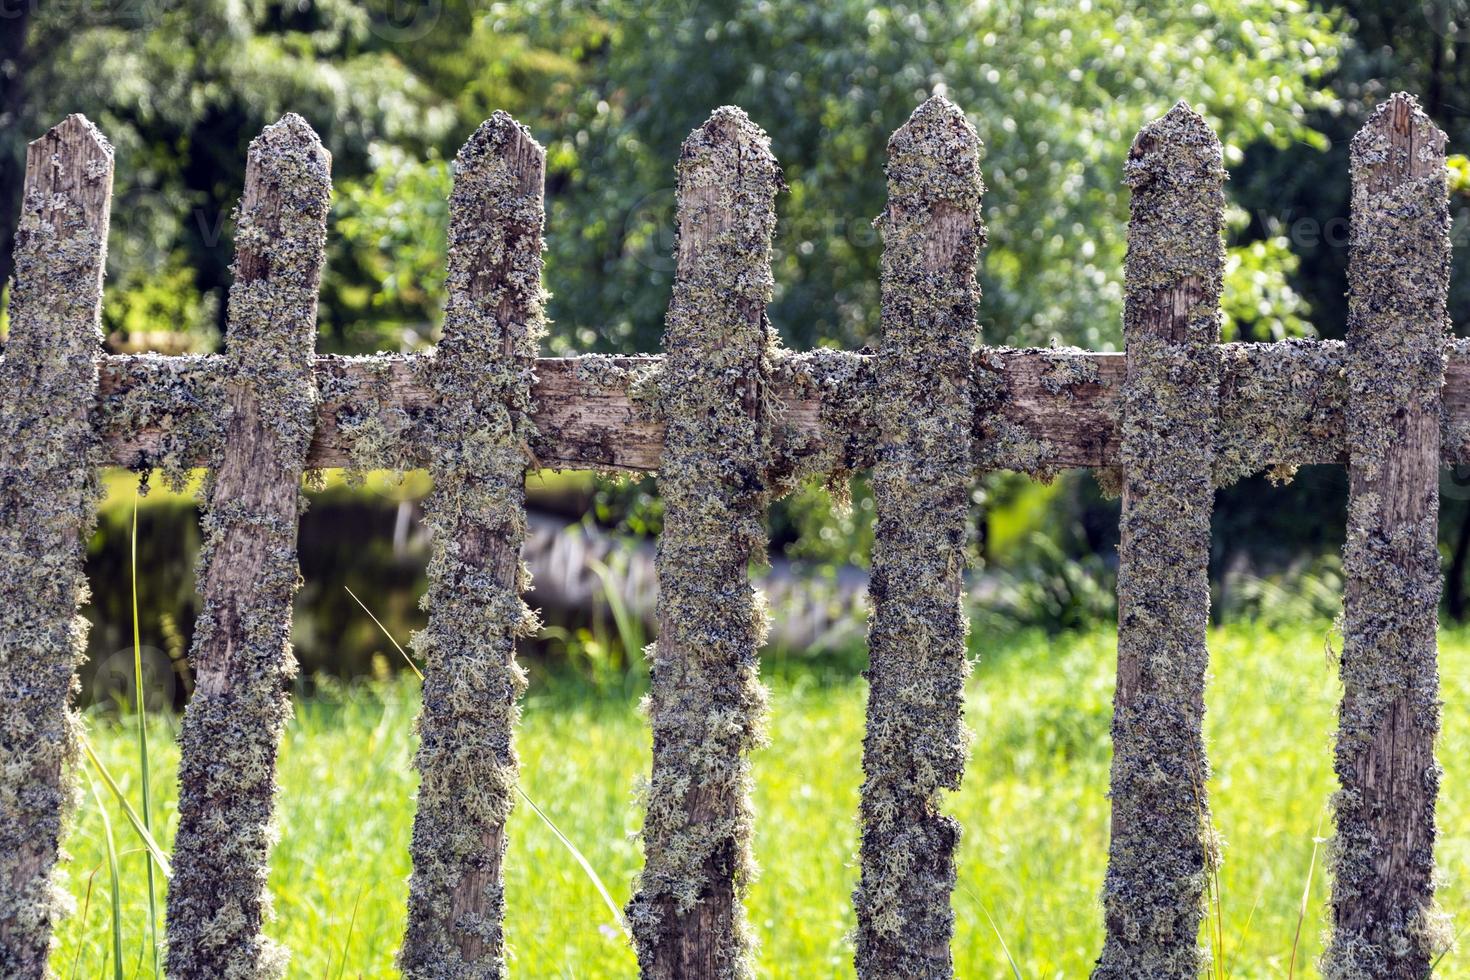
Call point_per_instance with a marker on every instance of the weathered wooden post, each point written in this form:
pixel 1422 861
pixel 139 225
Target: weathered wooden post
pixel 1385 923
pixel 481 377
pixel 916 743
pixel 217 904
pixel 49 492
pixel 1161 852
pixel 706 701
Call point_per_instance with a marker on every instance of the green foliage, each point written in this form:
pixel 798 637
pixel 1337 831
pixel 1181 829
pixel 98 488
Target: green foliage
pixel 1056 91
pixel 1258 302
pixel 1032 805
pixel 392 225
pixel 1047 590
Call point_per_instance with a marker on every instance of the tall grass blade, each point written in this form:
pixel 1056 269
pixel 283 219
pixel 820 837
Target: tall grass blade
pixel 412 666
pixel 630 627
pixel 1454 944
pixel 1244 935
pixel 577 855
pixel 1010 960
pixel 1306 897
pixel 117 963
pixel 351 924
pixel 159 857
pixel 1015 970
pixel 141 708
pixel 565 840
pixel 76 962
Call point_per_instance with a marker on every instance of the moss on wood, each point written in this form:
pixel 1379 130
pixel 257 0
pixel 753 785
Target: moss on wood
pixel 843 385
pixel 1281 403
pixel 49 492
pixel 1161 852
pixel 916 742
pixel 180 395
pixel 247 569
pixel 706 702
pixel 480 431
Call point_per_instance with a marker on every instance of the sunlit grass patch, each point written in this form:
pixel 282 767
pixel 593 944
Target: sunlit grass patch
pixel 1033 807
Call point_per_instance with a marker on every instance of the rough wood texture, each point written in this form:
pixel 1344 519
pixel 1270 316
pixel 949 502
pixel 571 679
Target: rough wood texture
pixel 48 500
pixel 217 904
pixel 1385 923
pixel 915 743
pixel 480 378
pixel 705 698
pixel 1160 852
pixel 1034 409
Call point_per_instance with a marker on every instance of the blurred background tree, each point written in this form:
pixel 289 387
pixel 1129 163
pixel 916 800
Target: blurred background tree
pixel 612 88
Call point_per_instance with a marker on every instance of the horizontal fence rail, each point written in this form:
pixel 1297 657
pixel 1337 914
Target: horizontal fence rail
pixel 1036 410
pixel 731 421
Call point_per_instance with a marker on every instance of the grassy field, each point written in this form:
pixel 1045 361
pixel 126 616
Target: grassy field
pixel 1033 809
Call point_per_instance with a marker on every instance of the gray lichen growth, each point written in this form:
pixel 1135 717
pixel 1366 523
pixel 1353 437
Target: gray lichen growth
pixel 1383 855
pixel 480 430
pixel 1001 441
pixel 184 398
pixel 380 433
pixel 916 742
pixel 1161 853
pixel 1066 368
pixel 706 702
pixel 843 385
pixel 49 492
pixel 1281 404
pixel 217 902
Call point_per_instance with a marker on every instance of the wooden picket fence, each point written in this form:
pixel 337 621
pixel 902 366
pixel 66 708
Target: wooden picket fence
pixel 729 420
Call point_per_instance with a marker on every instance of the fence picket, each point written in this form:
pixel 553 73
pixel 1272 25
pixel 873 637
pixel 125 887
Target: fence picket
pixel 916 743
pixel 49 492
pixel 1384 918
pixel 247 570
pixel 1161 852
pixel 481 375
pixel 706 700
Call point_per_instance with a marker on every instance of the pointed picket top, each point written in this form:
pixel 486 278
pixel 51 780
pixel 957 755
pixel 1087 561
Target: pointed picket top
pixel 1398 143
pixel 288 155
pixel 501 149
pixel 73 159
pixel 728 137
pixel 279 241
pixel 934 157
pixel 61 242
pixel 493 271
pixel 931 226
pixel 728 179
pixel 1177 148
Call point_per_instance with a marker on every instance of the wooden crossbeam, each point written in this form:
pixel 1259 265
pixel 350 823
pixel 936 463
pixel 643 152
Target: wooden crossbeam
pixel 1036 410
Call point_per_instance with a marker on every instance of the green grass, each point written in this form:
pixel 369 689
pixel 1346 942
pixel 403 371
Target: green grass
pixel 1033 808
